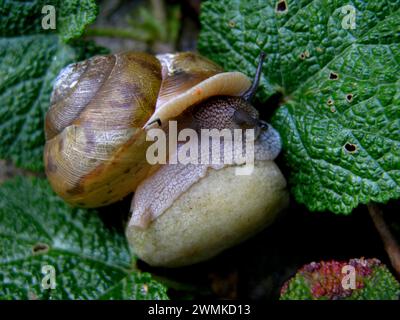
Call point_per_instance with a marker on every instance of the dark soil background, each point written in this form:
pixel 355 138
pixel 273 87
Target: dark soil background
pixel 257 268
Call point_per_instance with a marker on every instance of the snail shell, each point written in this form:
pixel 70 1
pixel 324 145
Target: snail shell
pixel 95 127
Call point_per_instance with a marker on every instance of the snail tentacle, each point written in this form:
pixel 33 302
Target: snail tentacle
pixel 249 94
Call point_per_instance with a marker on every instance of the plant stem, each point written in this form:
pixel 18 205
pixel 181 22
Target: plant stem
pixel 389 242
pixel 117 33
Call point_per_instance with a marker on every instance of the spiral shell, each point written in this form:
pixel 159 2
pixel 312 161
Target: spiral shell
pixel 95 152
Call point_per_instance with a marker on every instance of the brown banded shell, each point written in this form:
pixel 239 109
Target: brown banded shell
pixel 95 127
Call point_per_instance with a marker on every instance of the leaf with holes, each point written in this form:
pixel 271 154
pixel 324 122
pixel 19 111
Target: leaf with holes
pixel 41 236
pixel 338 68
pixel 30 59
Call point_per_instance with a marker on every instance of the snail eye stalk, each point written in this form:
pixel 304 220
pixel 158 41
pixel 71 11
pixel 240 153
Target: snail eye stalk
pixel 249 94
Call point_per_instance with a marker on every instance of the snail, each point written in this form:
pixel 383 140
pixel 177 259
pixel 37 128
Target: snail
pixel 101 112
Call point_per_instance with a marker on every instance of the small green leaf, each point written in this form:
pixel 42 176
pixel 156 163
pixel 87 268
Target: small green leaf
pixel 30 59
pixel 90 261
pixel 340 124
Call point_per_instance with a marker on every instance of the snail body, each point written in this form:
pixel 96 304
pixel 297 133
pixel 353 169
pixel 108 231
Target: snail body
pixel 95 153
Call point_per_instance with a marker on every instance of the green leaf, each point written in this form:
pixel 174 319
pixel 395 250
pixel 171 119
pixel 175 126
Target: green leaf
pixel 25 17
pixel 90 260
pixel 340 123
pixel 30 59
